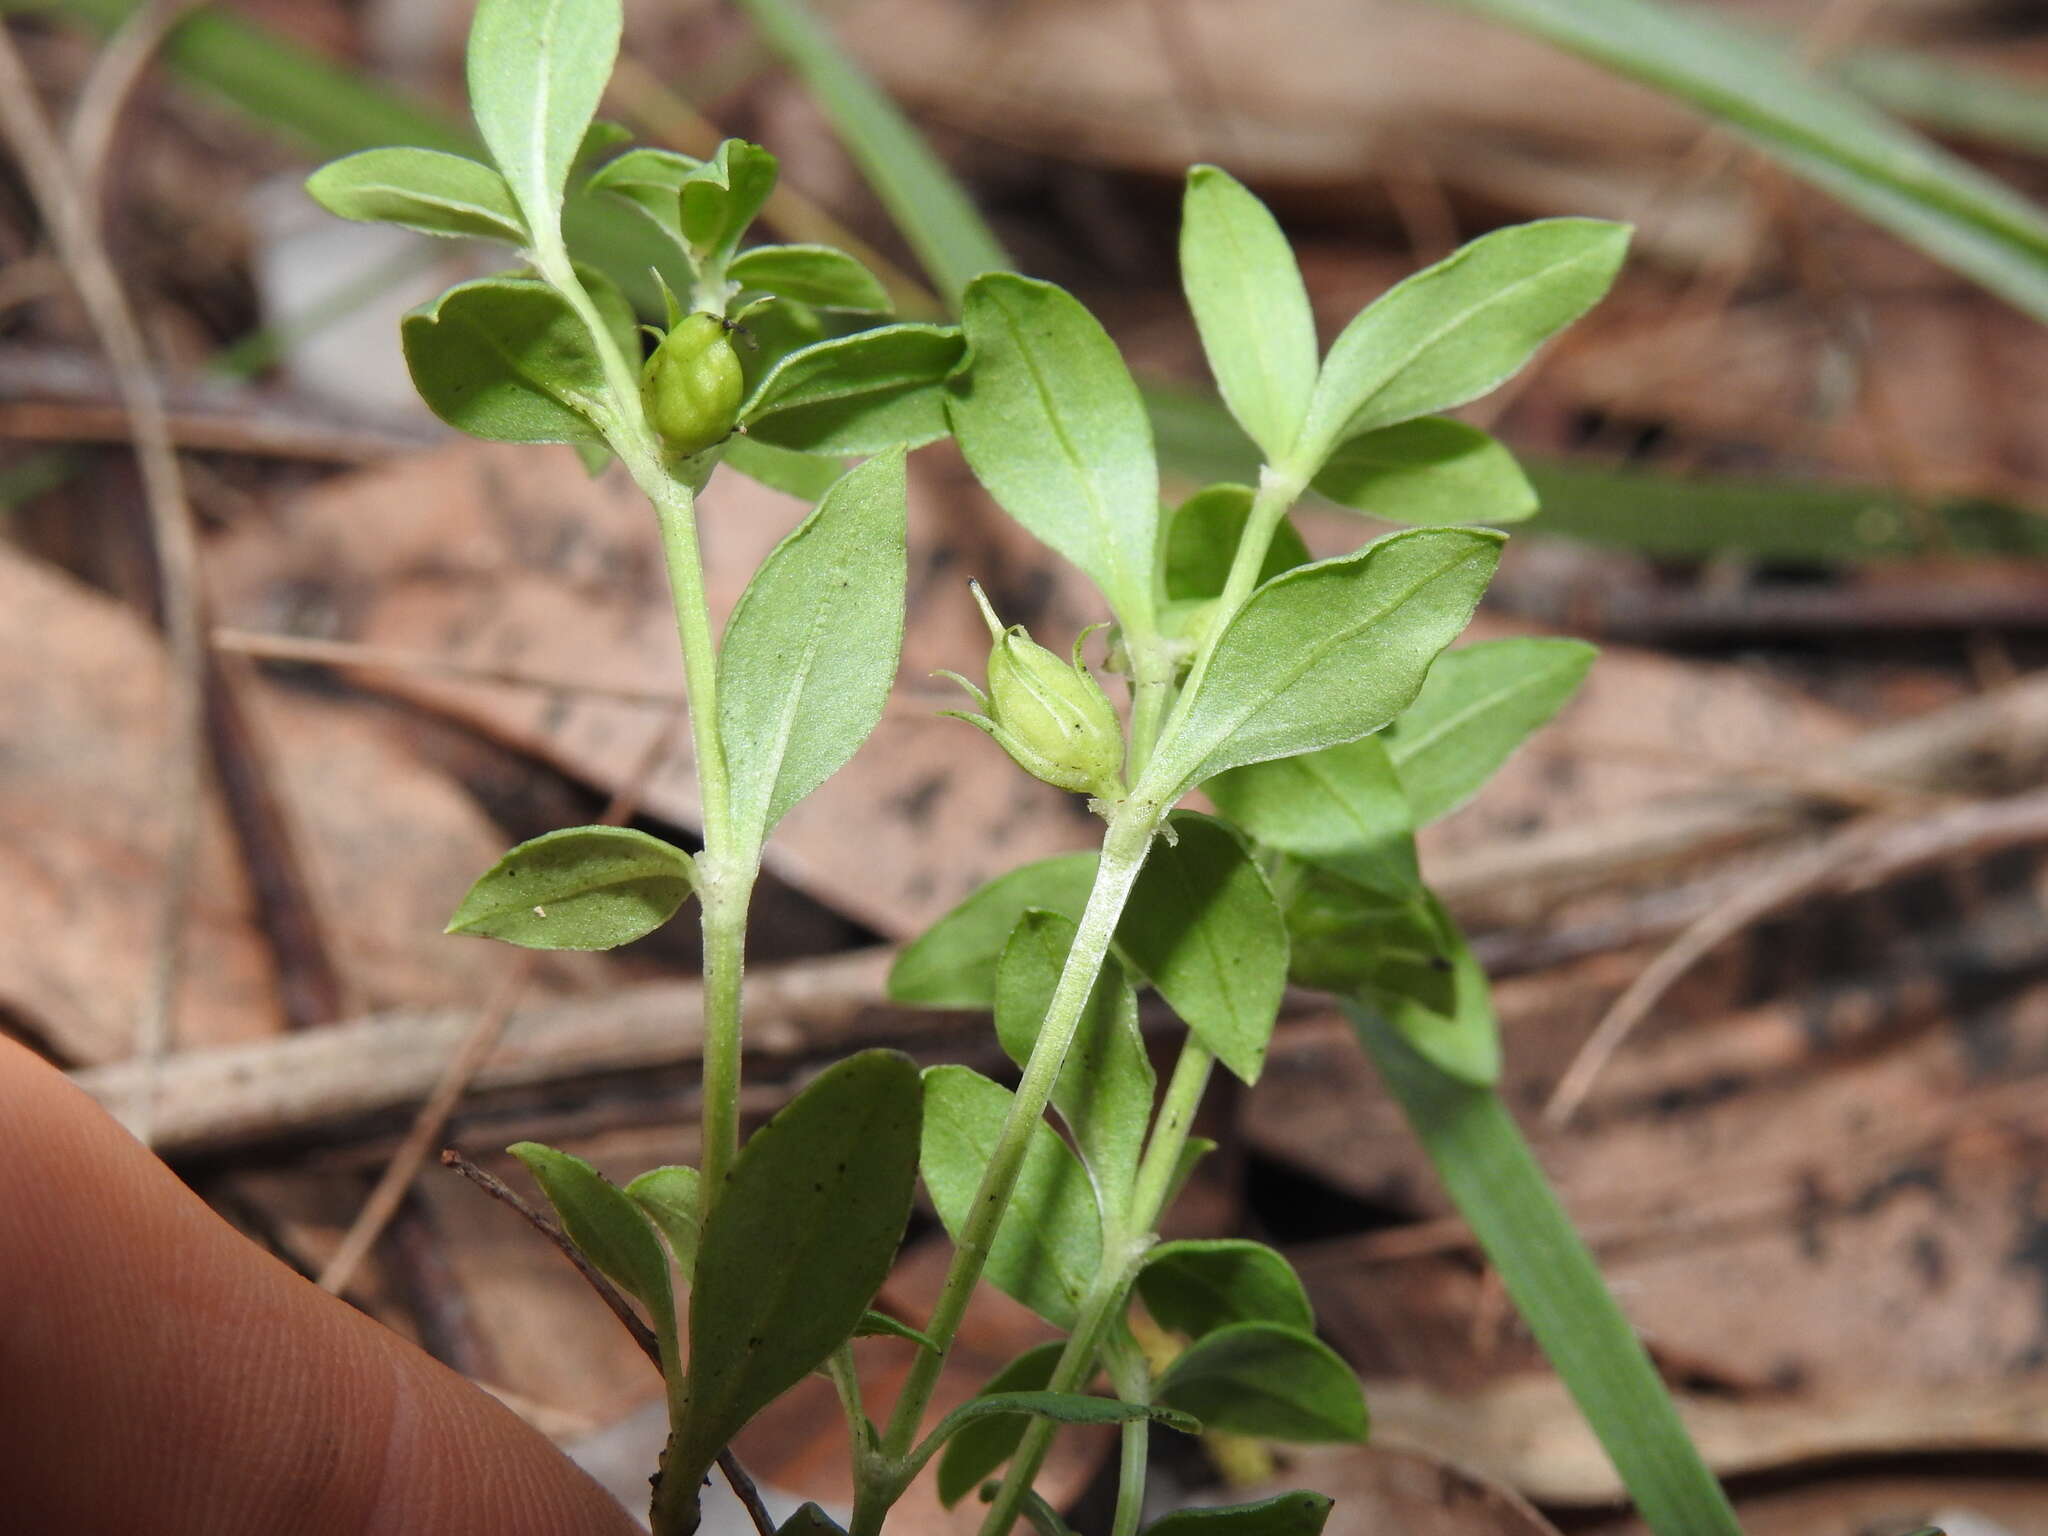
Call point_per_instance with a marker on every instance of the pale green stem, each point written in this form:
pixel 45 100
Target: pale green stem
pixel 1151 693
pixel 1124 847
pixel 1133 1381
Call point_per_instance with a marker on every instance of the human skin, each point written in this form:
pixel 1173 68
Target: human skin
pixel 161 1376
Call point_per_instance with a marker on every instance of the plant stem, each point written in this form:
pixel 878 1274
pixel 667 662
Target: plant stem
pixel 1133 1381
pixel 1176 1118
pixel 1124 847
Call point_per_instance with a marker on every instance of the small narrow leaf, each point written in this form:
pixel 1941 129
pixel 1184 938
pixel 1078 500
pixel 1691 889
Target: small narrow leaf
pixel 1342 808
pixel 1454 331
pixel 1202 540
pixel 610 1230
pixel 1060 1407
pixel 857 394
pixel 1343 936
pixel 579 888
pixel 810 1520
pixel 976 1449
pixel 1475 708
pixel 811 648
pixel 1105 1088
pixel 1300 1513
pixel 506 359
pixel 423 189
pixel 1199 1285
pixel 811 274
pixel 1268 1380
pixel 1202 926
pixel 720 199
pixel 806 476
pixel 1052 425
pixel 1250 306
pixel 1445 1009
pixel 798 1241
pixel 652 181
pixel 670 1198
pixel 536 70
pixel 1326 653
pixel 1431 471
pixel 953 963
pixel 875 1325
pixel 1050 1242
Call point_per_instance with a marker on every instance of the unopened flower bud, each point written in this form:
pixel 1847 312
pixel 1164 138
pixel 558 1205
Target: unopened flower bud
pixel 692 386
pixel 1051 716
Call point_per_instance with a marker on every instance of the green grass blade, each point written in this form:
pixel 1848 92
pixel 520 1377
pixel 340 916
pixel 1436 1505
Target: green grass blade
pixel 1497 1185
pixel 1990 106
pixel 929 206
pixel 1929 198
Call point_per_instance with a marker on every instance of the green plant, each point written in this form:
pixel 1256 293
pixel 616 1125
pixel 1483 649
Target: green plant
pixel 1305 697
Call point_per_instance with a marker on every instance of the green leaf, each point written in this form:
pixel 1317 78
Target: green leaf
pixel 1444 1007
pixel 506 359
pixel 579 888
pixel 721 197
pixel 857 394
pixel 1342 808
pixel 875 1325
pixel 1343 936
pixel 1105 1088
pixel 1250 306
pixel 1454 331
pixel 811 274
pixel 976 1449
pixel 536 70
pixel 609 1229
pixel 1475 708
pixel 1199 1285
pixel 952 964
pixel 652 181
pixel 1202 539
pixel 1052 425
pixel 809 1520
pixel 423 189
pixel 1499 1188
pixel 797 1243
pixel 1299 1513
pixel 1060 1407
pixel 1962 216
pixel 806 476
pixel 671 1199
pixel 1430 471
pixel 1268 1380
pixel 810 651
pixel 1202 926
pixel 1050 1243
pixel 1325 654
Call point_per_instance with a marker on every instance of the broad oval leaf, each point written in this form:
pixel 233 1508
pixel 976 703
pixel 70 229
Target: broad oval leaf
pixel 811 274
pixel 1250 306
pixel 978 1448
pixel 1343 936
pixel 720 199
pixel 423 189
pixel 1048 418
pixel 1455 330
pixel 652 181
pixel 1268 1380
pixel 857 394
pixel 1199 1285
pixel 1202 926
pixel 811 648
pixel 1476 707
pixel 1060 1407
pixel 806 476
pixel 506 359
pixel 536 69
pixel 1105 1087
pixel 604 1224
pixel 671 1199
pixel 1300 1513
pixel 1050 1243
pixel 1432 472
pixel 579 888
pixel 952 964
pixel 1326 654
pixel 1202 538
pixel 1342 808
pixel 796 1245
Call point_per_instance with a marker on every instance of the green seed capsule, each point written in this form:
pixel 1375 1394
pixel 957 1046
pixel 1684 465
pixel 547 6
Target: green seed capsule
pixel 1051 716
pixel 692 385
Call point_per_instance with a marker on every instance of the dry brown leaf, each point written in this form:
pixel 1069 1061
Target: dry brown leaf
pixel 1382 1489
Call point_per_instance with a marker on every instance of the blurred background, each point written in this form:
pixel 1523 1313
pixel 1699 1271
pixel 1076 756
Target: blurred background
pixel 1768 906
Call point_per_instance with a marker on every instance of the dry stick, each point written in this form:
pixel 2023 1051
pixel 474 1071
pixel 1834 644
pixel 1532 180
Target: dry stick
pixel 742 1484
pixel 476 1046
pixel 105 92
pixel 244 427
pixel 74 233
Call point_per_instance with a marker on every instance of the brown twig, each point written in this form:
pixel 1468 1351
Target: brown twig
pixel 74 234
pixel 378 658
pixel 476 1045
pixel 743 1485
pixel 258 432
